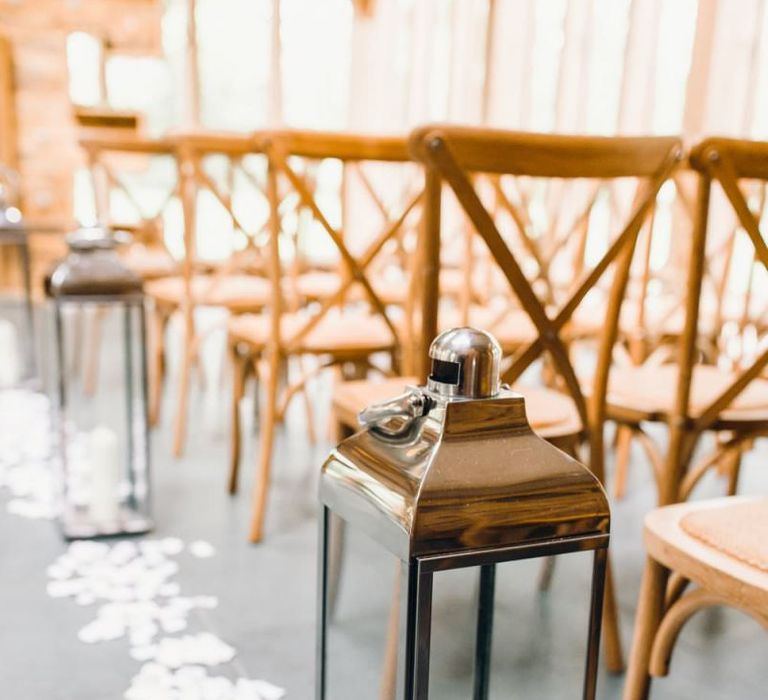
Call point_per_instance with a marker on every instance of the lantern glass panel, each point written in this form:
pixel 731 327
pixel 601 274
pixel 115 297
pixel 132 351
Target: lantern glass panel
pixel 100 397
pixel 539 637
pixel 358 629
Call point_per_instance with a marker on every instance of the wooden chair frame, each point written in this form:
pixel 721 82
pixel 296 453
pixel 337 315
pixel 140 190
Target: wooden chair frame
pixel 191 150
pixel 724 161
pixel 280 148
pixel 453 154
pixel 682 577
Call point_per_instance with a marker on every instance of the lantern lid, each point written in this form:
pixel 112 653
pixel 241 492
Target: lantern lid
pixel 92 267
pixel 443 474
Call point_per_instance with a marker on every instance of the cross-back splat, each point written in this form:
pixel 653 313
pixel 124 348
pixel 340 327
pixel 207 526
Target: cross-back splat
pixel 356 266
pixel 458 153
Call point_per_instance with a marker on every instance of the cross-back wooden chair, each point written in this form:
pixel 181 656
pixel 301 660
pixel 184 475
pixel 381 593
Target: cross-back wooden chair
pixel 728 317
pixel 701 554
pixel 692 395
pixel 351 321
pixel 455 153
pixel 457 156
pixel 700 399
pixel 236 283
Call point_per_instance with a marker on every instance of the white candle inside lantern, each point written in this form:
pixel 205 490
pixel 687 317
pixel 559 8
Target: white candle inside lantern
pixel 105 475
pixel 10 366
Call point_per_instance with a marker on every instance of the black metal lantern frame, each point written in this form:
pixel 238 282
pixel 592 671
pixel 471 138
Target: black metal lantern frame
pixel 415 626
pixel 106 487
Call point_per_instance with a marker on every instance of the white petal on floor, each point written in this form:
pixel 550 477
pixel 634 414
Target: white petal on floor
pixel 154 682
pixel 201 549
pixel 125 578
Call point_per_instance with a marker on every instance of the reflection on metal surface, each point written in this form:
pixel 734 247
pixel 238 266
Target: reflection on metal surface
pixel 465 363
pixel 473 474
pixel 93 268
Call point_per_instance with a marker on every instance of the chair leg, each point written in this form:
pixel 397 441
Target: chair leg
pixel 311 434
pixel 389 669
pixel 734 470
pixel 187 360
pixel 336 550
pixel 180 423
pixel 267 436
pixel 623 448
pixel 239 373
pixel 158 320
pixel 546 571
pixel 614 657
pixel 649 613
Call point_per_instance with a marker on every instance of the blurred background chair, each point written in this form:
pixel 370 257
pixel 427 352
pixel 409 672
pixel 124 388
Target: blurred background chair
pixel 694 399
pixel 339 292
pixel 230 276
pixel 713 383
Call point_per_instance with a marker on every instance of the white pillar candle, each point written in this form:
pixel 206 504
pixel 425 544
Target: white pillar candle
pixel 105 475
pixel 10 367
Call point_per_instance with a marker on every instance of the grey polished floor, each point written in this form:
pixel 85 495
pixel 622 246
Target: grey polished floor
pixel 267 593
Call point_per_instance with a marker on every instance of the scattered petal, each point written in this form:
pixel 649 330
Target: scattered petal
pixel 201 549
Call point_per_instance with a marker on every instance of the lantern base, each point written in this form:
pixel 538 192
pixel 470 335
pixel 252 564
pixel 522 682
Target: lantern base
pixel 76 524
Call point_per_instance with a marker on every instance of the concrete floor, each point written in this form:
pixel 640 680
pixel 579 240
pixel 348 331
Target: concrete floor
pixel 267 593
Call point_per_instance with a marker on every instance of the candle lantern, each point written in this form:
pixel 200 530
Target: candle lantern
pixel 103 428
pixel 450 475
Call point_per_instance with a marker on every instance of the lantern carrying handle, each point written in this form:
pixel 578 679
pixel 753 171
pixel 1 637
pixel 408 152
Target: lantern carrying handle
pixel 410 406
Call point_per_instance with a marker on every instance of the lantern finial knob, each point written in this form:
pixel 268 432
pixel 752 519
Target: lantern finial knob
pixel 465 364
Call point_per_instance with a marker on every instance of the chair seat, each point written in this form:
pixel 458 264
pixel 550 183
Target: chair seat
pixel 236 292
pixel 719 544
pixel 551 414
pixel 150 263
pixel 339 334
pixel 648 393
pixel 316 286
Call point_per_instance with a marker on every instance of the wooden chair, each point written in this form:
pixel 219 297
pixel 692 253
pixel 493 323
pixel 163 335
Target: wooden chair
pixel 351 324
pixel 692 397
pixel 236 284
pixel 719 548
pixel 458 156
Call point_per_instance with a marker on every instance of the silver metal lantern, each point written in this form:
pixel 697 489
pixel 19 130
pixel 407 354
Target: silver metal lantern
pixel 450 475
pixel 102 424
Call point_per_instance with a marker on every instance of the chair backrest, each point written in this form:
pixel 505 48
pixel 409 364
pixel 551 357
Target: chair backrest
pixel 457 156
pixel 735 166
pixel 120 169
pixel 294 158
pixel 222 168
